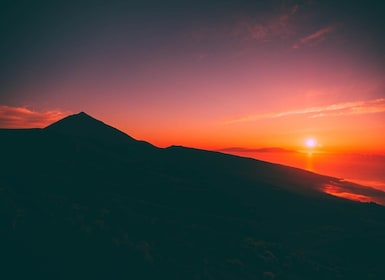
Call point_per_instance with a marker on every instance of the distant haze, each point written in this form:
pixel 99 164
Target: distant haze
pixel 364 169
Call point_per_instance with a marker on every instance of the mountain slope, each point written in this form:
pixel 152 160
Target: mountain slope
pixel 92 134
pixel 83 125
pixel 72 206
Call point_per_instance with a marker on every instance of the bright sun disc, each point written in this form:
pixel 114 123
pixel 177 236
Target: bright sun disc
pixel 310 142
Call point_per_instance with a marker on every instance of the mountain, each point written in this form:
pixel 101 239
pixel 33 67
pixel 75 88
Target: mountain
pixel 82 200
pixel 84 127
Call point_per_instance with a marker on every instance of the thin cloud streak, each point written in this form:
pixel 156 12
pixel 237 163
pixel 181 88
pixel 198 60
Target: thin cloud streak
pixel 21 117
pixel 317 35
pixel 267 27
pixel 261 28
pixel 338 109
pixel 314 38
pixel 353 191
pixel 256 150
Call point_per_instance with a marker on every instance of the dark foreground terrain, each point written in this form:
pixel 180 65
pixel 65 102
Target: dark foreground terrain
pixel 82 200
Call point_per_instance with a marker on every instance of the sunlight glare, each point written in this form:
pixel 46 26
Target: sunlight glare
pixel 310 142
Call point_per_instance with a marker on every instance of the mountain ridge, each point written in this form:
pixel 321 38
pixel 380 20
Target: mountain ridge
pixel 88 128
pixel 82 206
pixel 82 124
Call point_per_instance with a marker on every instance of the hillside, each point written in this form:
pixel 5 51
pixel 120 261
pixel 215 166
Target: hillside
pixel 82 200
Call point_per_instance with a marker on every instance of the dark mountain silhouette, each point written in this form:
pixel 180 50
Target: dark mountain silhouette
pixel 86 128
pixel 82 200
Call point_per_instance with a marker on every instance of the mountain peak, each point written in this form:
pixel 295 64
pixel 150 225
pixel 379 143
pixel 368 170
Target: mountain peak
pixel 74 121
pixel 86 127
pixel 82 114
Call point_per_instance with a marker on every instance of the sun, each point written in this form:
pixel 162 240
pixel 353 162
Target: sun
pixel 310 142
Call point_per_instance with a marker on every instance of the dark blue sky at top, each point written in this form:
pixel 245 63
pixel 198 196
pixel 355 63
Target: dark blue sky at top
pixel 42 39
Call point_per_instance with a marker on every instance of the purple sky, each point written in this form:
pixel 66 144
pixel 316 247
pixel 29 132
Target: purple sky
pixel 200 73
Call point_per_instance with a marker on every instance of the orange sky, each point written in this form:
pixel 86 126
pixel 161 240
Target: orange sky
pixel 210 74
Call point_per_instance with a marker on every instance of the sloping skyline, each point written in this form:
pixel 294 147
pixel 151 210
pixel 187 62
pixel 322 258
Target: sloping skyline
pixel 209 74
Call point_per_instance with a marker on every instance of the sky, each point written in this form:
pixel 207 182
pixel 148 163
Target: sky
pixel 206 74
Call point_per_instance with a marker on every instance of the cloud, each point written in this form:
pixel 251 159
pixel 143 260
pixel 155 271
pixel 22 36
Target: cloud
pixel 314 38
pixel 338 109
pixel 353 191
pixel 261 27
pixel 267 27
pixel 256 150
pixel 21 117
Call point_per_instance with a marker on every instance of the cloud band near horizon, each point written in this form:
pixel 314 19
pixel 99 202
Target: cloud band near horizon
pixel 338 109
pixel 21 117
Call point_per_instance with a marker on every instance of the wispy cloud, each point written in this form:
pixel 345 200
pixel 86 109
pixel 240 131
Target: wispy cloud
pixel 255 150
pixel 338 109
pixel 21 117
pixel 283 24
pixel 353 191
pixel 263 27
pixel 314 38
pixel 267 27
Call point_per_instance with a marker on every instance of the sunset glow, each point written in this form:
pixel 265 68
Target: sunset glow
pixel 311 142
pixel 362 195
pixel 211 75
pixel 200 139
